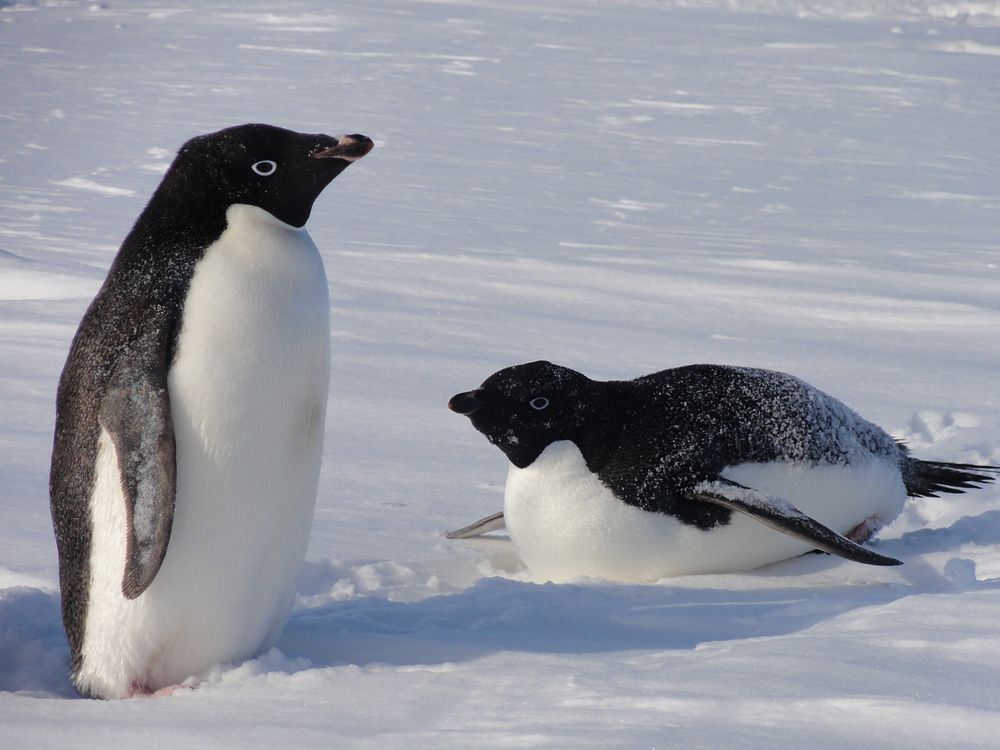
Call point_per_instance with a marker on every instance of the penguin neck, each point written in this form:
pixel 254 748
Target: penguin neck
pixel 599 432
pixel 177 219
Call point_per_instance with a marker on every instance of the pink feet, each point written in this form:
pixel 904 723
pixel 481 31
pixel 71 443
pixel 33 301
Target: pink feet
pixel 864 530
pixel 138 690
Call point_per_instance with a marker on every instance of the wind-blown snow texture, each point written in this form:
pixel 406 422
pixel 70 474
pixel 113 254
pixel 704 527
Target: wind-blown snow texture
pixel 617 186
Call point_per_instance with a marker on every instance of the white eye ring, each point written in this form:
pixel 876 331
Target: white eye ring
pixel 264 168
pixel 538 403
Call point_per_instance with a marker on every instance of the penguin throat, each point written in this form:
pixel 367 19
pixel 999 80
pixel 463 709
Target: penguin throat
pixel 248 213
pixel 519 452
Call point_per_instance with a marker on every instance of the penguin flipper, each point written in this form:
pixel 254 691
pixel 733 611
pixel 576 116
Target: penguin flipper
pixel 782 516
pixel 480 527
pixel 135 412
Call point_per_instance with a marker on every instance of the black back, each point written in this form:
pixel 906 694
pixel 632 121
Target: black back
pixel 129 332
pixel 652 439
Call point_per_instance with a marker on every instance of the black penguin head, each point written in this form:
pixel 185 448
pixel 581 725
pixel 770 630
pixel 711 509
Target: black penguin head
pixel 525 408
pixel 278 170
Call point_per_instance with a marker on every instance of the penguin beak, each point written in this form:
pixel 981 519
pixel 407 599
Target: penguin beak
pixel 346 147
pixel 466 403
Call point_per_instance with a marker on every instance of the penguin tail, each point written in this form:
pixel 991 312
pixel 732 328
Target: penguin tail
pixel 930 478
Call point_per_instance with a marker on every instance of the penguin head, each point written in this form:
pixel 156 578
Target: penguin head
pixel 278 170
pixel 524 408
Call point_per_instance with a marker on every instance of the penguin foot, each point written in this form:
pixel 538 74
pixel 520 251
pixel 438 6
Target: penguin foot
pixel 138 690
pixel 865 530
pixel 165 691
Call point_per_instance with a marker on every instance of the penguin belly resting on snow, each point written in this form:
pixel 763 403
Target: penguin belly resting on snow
pixel 190 416
pixel 689 470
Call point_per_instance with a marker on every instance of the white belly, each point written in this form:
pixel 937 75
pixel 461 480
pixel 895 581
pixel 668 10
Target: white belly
pixel 248 392
pixel 566 523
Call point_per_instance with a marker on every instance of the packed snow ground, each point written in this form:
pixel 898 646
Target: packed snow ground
pixel 618 187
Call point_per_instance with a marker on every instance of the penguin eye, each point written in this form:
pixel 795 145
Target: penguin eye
pixel 538 403
pixel 264 168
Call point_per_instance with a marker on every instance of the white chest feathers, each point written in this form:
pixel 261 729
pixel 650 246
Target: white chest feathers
pixel 565 523
pixel 248 391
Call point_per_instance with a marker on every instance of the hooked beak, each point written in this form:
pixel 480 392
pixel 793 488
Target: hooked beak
pixel 347 147
pixel 466 403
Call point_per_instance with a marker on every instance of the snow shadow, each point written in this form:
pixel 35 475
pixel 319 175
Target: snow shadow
pixel 493 615
pixel 982 530
pixel 34 654
pixel 498 614
pixel 501 614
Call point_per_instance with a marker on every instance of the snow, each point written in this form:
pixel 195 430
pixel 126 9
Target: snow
pixel 620 186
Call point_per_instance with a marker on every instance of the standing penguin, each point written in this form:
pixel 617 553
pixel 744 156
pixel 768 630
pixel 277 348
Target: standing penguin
pixel 684 470
pixel 190 416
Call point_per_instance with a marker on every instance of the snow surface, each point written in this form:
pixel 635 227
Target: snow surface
pixel 616 185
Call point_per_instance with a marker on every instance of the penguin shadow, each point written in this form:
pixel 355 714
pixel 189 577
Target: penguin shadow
pixel 501 614
pixel 591 617
pixel 982 530
pixel 34 653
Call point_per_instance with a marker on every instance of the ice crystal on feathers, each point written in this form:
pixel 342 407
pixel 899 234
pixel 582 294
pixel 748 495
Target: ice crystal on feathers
pixel 748 497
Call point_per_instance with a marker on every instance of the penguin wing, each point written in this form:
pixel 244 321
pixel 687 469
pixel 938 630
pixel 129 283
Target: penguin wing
pixel 482 526
pixel 135 411
pixel 782 516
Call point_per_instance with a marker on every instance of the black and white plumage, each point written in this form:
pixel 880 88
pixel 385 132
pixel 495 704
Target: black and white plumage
pixel 190 415
pixel 689 470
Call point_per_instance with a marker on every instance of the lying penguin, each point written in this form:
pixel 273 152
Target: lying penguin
pixel 689 470
pixel 190 414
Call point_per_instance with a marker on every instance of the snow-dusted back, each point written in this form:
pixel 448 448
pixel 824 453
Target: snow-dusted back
pixel 618 186
pixel 806 424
